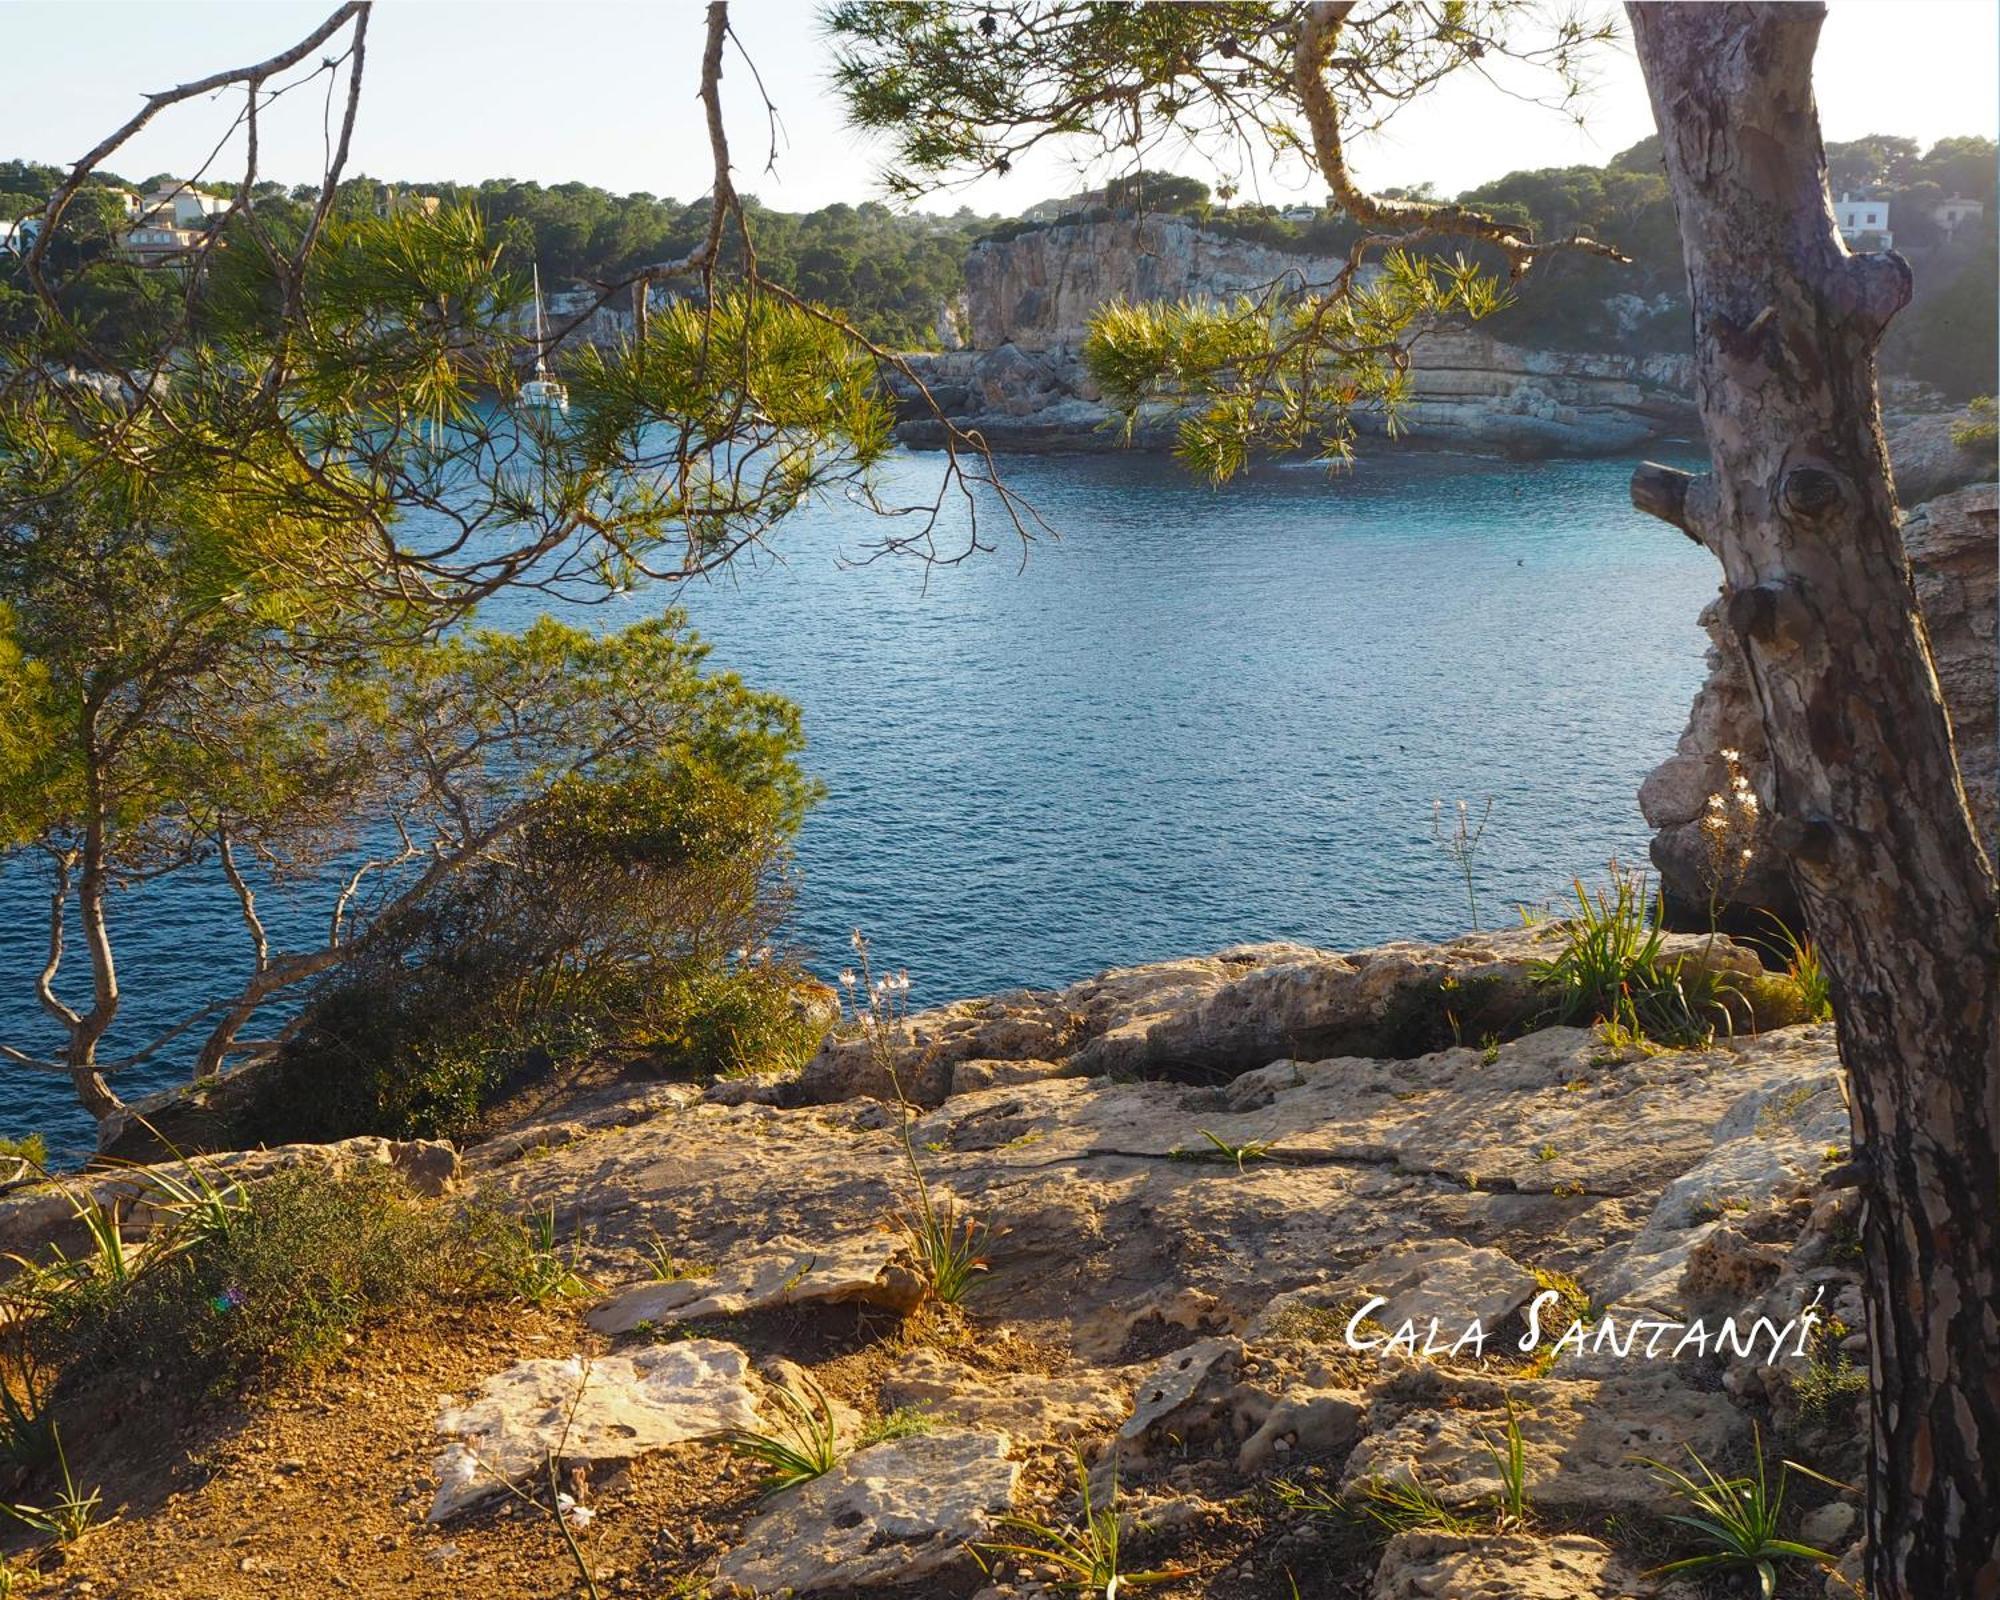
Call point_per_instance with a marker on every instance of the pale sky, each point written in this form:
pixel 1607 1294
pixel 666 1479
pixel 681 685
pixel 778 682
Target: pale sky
pixel 602 91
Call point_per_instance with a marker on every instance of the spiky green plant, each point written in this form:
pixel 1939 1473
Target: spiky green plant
pixel 197 1208
pixel 27 1425
pixel 804 1447
pixel 68 1517
pixel 527 1259
pixel 1510 1460
pixel 1087 1555
pixel 1805 973
pixel 950 1246
pixel 1221 1149
pixel 1614 967
pixel 1737 1517
pixel 1398 1504
pixel 665 1268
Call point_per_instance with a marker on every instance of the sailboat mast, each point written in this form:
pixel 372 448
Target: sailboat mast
pixel 540 368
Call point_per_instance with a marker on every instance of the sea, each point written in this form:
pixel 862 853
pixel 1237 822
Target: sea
pixel 1183 718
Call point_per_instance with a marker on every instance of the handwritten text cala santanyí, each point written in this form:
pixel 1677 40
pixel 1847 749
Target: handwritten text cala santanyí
pixel 1641 1338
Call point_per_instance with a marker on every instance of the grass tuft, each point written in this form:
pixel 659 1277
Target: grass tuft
pixel 1738 1518
pixel 1087 1555
pixel 525 1259
pixel 803 1448
pixel 1613 971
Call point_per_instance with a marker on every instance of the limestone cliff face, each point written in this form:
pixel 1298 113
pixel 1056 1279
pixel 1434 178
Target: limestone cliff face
pixel 1951 543
pixel 1037 291
pixel 1028 301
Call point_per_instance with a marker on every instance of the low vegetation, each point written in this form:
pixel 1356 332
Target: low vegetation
pixel 1614 970
pixel 805 1446
pixel 949 1244
pixel 525 1257
pixel 1220 1149
pixel 250 1284
pixel 1738 1518
pixel 636 911
pixel 1396 1504
pixel 237 1287
pixel 1981 430
pixel 1087 1555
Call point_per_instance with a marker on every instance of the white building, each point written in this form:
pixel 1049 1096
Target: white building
pixel 18 238
pixel 154 243
pixel 181 208
pixel 1951 214
pixel 1864 222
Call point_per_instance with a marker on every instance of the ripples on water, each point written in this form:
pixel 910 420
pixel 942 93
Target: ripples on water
pixel 1202 717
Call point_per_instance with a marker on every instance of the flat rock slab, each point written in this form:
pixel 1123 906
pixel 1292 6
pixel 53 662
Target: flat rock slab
pixel 1443 1566
pixel 1062 1408
pixel 1586 1441
pixel 610 1409
pixel 1176 1381
pixel 1446 1282
pixel 1549 1153
pixel 867 1269
pixel 886 1515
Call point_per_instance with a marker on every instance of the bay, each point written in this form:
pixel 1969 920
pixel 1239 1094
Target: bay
pixel 1199 717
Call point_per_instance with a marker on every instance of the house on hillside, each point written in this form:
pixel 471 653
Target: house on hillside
pixel 155 244
pixel 170 224
pixel 397 202
pixel 1864 222
pixel 177 206
pixel 1953 214
pixel 18 238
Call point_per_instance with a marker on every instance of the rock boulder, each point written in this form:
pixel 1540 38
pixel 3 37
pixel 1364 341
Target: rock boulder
pixel 1952 546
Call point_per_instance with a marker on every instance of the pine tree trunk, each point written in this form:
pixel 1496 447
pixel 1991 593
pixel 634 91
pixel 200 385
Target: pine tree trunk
pixel 1801 512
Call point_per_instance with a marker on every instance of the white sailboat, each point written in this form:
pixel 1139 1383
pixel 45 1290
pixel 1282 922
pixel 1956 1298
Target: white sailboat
pixel 541 392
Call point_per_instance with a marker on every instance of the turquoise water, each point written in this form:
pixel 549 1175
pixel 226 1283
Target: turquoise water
pixel 1199 718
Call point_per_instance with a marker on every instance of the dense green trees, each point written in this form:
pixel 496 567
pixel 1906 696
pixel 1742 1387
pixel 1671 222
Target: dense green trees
pixel 890 272
pixel 887 271
pixel 249 506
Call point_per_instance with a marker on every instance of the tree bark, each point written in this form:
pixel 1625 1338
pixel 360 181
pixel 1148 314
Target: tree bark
pixel 1801 511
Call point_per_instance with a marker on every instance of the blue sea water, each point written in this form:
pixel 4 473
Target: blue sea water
pixel 1199 717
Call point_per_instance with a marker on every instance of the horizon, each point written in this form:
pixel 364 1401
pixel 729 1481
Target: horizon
pixel 418 126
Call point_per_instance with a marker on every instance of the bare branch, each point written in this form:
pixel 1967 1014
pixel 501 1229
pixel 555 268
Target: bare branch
pixel 1319 27
pixel 156 103
pixel 1684 499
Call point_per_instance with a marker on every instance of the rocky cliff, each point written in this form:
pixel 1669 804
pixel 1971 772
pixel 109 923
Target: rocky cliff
pixel 1951 543
pixel 1022 384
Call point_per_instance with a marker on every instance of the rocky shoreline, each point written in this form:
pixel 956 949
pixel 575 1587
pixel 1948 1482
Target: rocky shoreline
pixel 1190 1179
pixel 1021 383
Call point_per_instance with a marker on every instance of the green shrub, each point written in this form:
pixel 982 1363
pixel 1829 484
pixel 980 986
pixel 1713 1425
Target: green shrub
pixel 308 1256
pixel 31 1148
pixel 1982 430
pixel 1614 969
pixel 635 910
pixel 732 1021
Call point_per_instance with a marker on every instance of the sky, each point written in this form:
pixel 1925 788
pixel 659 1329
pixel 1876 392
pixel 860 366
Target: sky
pixel 603 91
